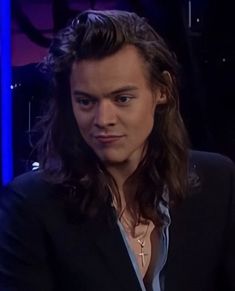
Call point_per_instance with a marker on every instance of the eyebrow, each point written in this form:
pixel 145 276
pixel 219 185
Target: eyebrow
pixel 124 89
pixel 117 91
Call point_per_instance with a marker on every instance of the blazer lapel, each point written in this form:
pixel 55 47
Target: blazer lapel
pixel 107 237
pixel 178 254
pixel 187 246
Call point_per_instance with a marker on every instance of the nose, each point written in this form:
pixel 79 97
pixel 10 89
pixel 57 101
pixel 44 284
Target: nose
pixel 105 114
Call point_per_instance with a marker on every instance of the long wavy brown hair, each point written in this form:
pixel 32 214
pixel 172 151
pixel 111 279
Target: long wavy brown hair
pixel 63 154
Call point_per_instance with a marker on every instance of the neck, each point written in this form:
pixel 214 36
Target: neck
pixel 126 188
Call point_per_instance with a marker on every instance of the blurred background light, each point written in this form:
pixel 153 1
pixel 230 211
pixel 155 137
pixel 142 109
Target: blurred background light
pixel 6 100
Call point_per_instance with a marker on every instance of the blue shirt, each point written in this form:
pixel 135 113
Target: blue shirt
pixel 157 283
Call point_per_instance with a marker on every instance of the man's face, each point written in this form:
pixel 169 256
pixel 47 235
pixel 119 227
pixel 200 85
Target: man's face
pixel 114 106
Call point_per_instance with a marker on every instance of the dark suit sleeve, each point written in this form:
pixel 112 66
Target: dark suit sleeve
pixel 23 259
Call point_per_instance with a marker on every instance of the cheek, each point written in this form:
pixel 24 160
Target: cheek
pixel 148 122
pixel 145 116
pixel 84 123
pixel 148 125
pixel 81 123
pixel 79 118
pixel 142 124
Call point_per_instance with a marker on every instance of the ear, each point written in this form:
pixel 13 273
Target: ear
pixel 162 92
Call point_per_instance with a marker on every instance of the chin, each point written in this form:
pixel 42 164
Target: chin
pixel 108 160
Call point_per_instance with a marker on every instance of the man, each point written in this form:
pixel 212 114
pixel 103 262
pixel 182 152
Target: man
pixel 119 202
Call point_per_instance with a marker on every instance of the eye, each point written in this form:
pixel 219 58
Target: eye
pixel 85 102
pixel 123 99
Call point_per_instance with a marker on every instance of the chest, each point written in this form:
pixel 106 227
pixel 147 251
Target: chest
pixel 145 248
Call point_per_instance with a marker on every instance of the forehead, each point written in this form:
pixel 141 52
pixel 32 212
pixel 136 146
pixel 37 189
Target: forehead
pixel 124 66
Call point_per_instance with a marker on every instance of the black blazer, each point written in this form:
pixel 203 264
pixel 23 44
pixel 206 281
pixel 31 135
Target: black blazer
pixel 45 246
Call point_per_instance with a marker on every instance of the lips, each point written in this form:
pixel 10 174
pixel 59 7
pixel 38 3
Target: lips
pixel 107 139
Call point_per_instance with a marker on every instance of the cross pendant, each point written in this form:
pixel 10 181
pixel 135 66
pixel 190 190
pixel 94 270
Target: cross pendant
pixel 142 254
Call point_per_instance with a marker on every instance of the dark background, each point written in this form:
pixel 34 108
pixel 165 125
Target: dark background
pixel 204 44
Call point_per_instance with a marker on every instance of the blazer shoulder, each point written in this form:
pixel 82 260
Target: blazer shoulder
pixel 211 160
pixel 211 172
pixel 29 187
